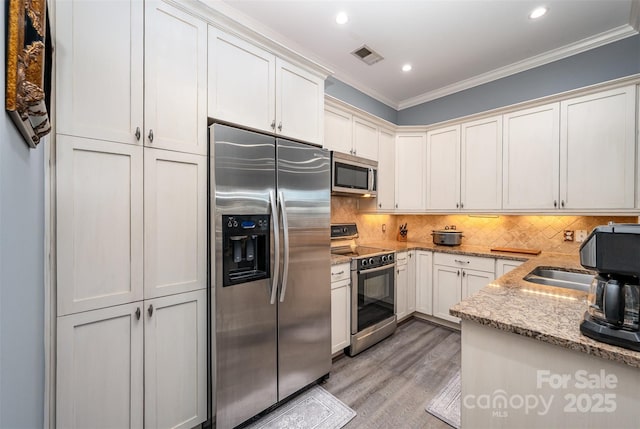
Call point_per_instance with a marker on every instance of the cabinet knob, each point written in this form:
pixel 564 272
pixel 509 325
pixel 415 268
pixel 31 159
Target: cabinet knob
pixel 461 205
pixel 150 310
pixel 138 133
pixel 457 205
pixel 463 273
pixel 555 203
pixel 396 205
pixel 458 273
pixel 138 313
pixel 380 205
pixel 280 126
pixel 562 203
pixel 150 136
pixel 273 124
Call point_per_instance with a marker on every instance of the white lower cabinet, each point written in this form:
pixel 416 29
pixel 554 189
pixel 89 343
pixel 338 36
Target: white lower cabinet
pixel 175 370
pixel 424 281
pixel 100 368
pixel 116 363
pixel 456 277
pixel 503 266
pixel 411 282
pixel 340 307
pixel 402 279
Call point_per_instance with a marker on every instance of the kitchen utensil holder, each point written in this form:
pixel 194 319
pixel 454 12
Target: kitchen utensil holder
pixel 402 235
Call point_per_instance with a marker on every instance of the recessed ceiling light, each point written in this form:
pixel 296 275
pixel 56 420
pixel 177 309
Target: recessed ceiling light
pixel 406 67
pixel 342 18
pixel 538 12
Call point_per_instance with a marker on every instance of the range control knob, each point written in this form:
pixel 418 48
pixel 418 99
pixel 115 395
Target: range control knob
pixel 384 258
pixel 391 257
pixel 371 261
pixel 364 263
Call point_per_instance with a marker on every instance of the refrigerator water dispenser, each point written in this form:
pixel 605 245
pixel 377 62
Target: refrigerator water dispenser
pixel 245 248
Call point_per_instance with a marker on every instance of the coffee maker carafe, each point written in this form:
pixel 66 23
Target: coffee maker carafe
pixel 614 296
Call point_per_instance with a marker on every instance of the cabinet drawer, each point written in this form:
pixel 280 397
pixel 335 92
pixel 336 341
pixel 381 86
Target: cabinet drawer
pixel 463 261
pixel 401 258
pixel 340 272
pixel 340 283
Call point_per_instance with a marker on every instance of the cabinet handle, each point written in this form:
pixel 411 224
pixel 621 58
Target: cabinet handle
pixel 562 203
pixel 138 133
pixel 355 152
pixel 458 273
pixel 151 136
pixel 396 205
pixel 461 262
pixel 380 205
pixel 337 274
pixel 461 205
pixel 150 310
pixel 273 124
pixel 555 203
pixel 280 126
pixel 463 273
pixel 457 205
pixel 138 313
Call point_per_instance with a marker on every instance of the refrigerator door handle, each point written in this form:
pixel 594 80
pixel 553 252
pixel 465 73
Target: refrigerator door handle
pixel 276 247
pixel 285 236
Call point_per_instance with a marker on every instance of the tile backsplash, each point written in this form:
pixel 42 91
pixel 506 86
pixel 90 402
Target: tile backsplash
pixel 531 232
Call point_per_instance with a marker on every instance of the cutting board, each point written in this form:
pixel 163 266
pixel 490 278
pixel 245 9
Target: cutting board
pixel 516 250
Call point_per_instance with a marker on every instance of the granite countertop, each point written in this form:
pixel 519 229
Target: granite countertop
pixel 544 313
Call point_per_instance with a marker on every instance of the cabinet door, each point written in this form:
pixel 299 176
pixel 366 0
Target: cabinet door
pixel 386 170
pixel 443 169
pixel 99 62
pixel 175 213
pixel 299 103
pixel 338 132
pixel 175 79
pixel 99 224
pixel 446 291
pixel 365 139
pixel 242 83
pixel 175 372
pixel 340 315
pixel 597 150
pixel 530 161
pixel 424 282
pixel 473 281
pixel 481 165
pixel 410 171
pixel 100 368
pixel 503 266
pixel 411 282
pixel 401 291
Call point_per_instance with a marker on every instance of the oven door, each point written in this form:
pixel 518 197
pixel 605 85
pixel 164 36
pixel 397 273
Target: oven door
pixel 373 297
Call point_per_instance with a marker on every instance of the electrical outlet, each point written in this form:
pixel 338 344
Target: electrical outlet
pixel 568 235
pixel 384 227
pixel 581 235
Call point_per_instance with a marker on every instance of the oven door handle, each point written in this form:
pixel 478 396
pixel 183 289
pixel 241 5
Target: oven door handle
pixel 285 237
pixel 276 247
pixel 373 270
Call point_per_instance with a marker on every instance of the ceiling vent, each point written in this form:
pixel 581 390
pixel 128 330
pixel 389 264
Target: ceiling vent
pixel 367 55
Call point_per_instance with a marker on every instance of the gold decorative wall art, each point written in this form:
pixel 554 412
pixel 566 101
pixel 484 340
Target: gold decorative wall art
pixel 28 68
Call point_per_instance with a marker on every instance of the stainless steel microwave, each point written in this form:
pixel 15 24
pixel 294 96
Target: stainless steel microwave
pixel 352 175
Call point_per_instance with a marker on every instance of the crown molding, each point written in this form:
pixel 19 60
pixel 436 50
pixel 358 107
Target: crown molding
pixel 583 45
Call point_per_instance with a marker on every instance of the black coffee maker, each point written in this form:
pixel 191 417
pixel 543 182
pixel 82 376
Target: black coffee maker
pixel 614 297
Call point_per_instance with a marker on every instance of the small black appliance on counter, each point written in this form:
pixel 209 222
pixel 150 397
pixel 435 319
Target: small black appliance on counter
pixel 614 297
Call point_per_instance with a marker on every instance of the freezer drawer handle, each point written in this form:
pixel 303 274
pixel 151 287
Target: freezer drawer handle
pixel 276 247
pixel 285 236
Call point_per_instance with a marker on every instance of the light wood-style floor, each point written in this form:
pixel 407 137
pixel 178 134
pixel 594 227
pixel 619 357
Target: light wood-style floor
pixel 390 384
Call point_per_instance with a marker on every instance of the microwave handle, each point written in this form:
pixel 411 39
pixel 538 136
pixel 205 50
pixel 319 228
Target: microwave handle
pixel 371 182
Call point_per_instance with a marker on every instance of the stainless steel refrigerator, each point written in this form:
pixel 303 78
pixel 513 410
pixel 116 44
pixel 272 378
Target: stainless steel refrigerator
pixel 270 222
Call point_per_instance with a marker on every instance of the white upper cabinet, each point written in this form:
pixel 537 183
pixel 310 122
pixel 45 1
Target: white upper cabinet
pixel 410 170
pixel 386 170
pixel 598 150
pixel 481 165
pixel 175 222
pixel 365 139
pixel 175 79
pixel 242 82
pixel 338 133
pixel 443 169
pixel 252 87
pixel 99 77
pixel 99 224
pixel 299 103
pixel 531 149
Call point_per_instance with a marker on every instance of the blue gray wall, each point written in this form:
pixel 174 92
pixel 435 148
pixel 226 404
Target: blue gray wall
pixel 349 94
pixel 21 273
pixel 615 60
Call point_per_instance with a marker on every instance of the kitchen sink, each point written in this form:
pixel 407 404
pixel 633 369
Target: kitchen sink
pixel 560 278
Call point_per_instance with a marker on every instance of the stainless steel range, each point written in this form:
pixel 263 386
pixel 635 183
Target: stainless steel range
pixel 373 289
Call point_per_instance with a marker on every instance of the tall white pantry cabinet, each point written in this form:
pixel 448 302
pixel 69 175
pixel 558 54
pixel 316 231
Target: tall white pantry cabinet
pixel 131 185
